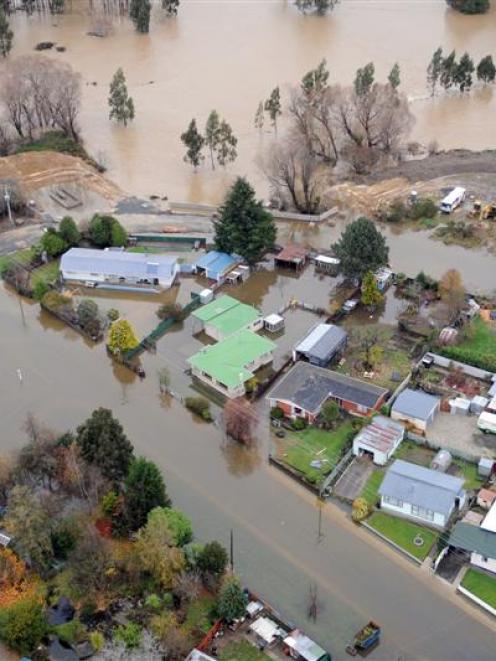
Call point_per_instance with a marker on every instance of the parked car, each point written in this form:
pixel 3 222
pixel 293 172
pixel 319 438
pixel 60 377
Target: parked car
pixel 487 422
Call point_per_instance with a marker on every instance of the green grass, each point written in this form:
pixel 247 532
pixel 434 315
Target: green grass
pixel 241 651
pixel 476 347
pixel 47 273
pixel 403 532
pixel 22 256
pixel 200 615
pixel 59 142
pixel 468 471
pixel 371 488
pixel 298 449
pixel 144 249
pixel 482 585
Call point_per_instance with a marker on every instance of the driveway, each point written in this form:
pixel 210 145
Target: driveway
pixel 460 433
pixel 351 483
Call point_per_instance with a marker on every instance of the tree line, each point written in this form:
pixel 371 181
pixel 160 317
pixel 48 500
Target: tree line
pixel 449 73
pixel 92 522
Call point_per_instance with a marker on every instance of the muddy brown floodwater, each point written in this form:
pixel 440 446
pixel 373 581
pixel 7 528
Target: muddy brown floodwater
pixel 229 55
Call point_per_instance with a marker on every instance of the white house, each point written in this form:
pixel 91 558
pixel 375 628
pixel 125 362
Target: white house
pixel 118 268
pixel 422 494
pixel 379 440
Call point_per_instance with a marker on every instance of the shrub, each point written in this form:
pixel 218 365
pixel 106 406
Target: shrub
pixel 180 526
pixel 170 311
pixel 168 600
pixel 55 301
pixel 40 289
pixel 113 314
pixel 110 503
pixel 23 625
pixel 64 540
pixel 424 207
pixel 88 609
pixel 97 640
pixel 298 424
pixel 200 406
pixel 69 232
pixel 87 312
pixel 128 635
pixel 277 413
pixel 52 243
pixel 105 231
pixel 153 602
pixel 360 509
pixel 70 632
pixel 213 559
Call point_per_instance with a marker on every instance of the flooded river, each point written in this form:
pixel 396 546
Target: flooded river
pixel 228 55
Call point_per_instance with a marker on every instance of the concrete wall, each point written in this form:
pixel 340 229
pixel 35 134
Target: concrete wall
pixel 477 373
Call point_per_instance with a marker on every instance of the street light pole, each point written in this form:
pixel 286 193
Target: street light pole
pixel 6 197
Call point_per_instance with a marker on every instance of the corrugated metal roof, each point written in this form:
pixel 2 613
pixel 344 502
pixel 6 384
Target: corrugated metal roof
pixel 322 341
pixel 292 253
pixel 415 404
pixel 421 486
pixel 217 262
pixel 471 538
pixel 382 434
pixel 117 263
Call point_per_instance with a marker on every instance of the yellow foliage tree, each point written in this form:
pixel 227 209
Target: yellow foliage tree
pixel 360 509
pixel 122 337
pixel 15 583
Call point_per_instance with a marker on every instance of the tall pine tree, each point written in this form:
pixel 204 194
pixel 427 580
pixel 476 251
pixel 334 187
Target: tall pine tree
pixel 244 226
pixel 273 106
pixel 6 34
pixel 212 137
pixel 139 12
pixel 486 71
pixel 194 142
pixel 434 70
pixel 120 103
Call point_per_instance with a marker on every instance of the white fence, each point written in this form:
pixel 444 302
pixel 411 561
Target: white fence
pixel 442 361
pixel 476 600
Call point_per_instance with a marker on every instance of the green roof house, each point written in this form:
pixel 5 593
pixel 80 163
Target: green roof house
pixel 225 316
pixel 229 364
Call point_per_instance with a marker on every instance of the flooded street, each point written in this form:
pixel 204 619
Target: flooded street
pixel 222 488
pixel 229 55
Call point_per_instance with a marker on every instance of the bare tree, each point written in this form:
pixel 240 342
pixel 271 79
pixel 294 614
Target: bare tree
pixel 240 420
pixel 40 94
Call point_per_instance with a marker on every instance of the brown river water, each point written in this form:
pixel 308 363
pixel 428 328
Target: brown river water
pixel 228 55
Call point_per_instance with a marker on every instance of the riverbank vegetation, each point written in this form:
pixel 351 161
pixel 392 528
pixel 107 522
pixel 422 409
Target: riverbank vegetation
pixel 449 73
pixel 98 556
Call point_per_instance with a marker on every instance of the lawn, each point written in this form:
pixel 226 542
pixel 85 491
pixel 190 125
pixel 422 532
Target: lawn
pixel 371 488
pixel 241 651
pixel 416 454
pixel 22 256
pixel 200 615
pixel 47 273
pixel 299 449
pixel 481 585
pixel 476 347
pixel 403 533
pixel 469 472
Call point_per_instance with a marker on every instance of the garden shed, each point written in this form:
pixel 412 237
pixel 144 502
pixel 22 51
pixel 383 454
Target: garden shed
pixel 379 440
pixel 321 345
pixel 326 264
pixel 274 323
pixel 293 257
pixel 442 461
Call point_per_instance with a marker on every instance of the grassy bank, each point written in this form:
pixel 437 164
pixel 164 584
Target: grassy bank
pixel 402 533
pixel 59 142
pixel 481 585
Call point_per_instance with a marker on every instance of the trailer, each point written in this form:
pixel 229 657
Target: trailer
pixel 452 200
pixel 365 641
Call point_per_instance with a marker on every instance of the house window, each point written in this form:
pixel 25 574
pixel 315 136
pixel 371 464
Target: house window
pixel 423 512
pixel 390 500
pixel 296 410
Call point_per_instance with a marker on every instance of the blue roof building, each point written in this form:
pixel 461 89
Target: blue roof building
pixel 216 265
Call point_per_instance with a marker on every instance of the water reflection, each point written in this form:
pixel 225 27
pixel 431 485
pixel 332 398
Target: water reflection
pixel 240 460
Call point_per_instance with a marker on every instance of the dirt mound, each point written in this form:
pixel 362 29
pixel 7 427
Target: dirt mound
pixel 35 170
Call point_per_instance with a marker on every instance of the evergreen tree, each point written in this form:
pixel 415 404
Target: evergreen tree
pixel 226 145
pixel 259 116
pixel 361 248
pixel 486 71
pixel 364 79
pixel 315 80
pixel 194 142
pixel 170 6
pixel 463 72
pixel 213 559
pixel 394 76
pixel 273 106
pixel 320 7
pixel 139 12
pixel 120 103
pixel 244 226
pixel 145 490
pixel 6 34
pixel 180 526
pixel 434 70
pixel 469 6
pixel 448 70
pixel 102 442
pixel 69 232
pixel 371 296
pixel 212 134
pixel 231 601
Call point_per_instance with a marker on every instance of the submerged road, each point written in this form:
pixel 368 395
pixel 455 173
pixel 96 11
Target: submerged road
pixel 277 552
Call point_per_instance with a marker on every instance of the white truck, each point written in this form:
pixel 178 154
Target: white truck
pixel 487 422
pixel 452 200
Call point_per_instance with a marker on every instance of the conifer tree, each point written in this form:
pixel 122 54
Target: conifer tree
pixel 6 34
pixel 194 142
pixel 120 103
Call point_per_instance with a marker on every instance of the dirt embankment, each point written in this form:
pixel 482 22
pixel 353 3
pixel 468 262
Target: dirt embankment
pixel 36 170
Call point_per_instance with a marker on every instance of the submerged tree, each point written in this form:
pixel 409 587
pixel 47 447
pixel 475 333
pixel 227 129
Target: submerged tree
pixel 394 76
pixel 463 72
pixel 121 337
pixel 364 79
pixel 434 70
pixel 170 6
pixel 6 34
pixel 371 296
pixel 259 117
pixel 194 142
pixel 212 137
pixel 469 6
pixel 448 70
pixel 486 71
pixel 120 103
pixel 244 226
pixel 226 145
pixel 318 6
pixel 139 12
pixel 361 248
pixel 273 106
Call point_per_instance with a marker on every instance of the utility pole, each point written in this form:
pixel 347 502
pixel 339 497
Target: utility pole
pixel 232 550
pixel 6 197
pixel 320 534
